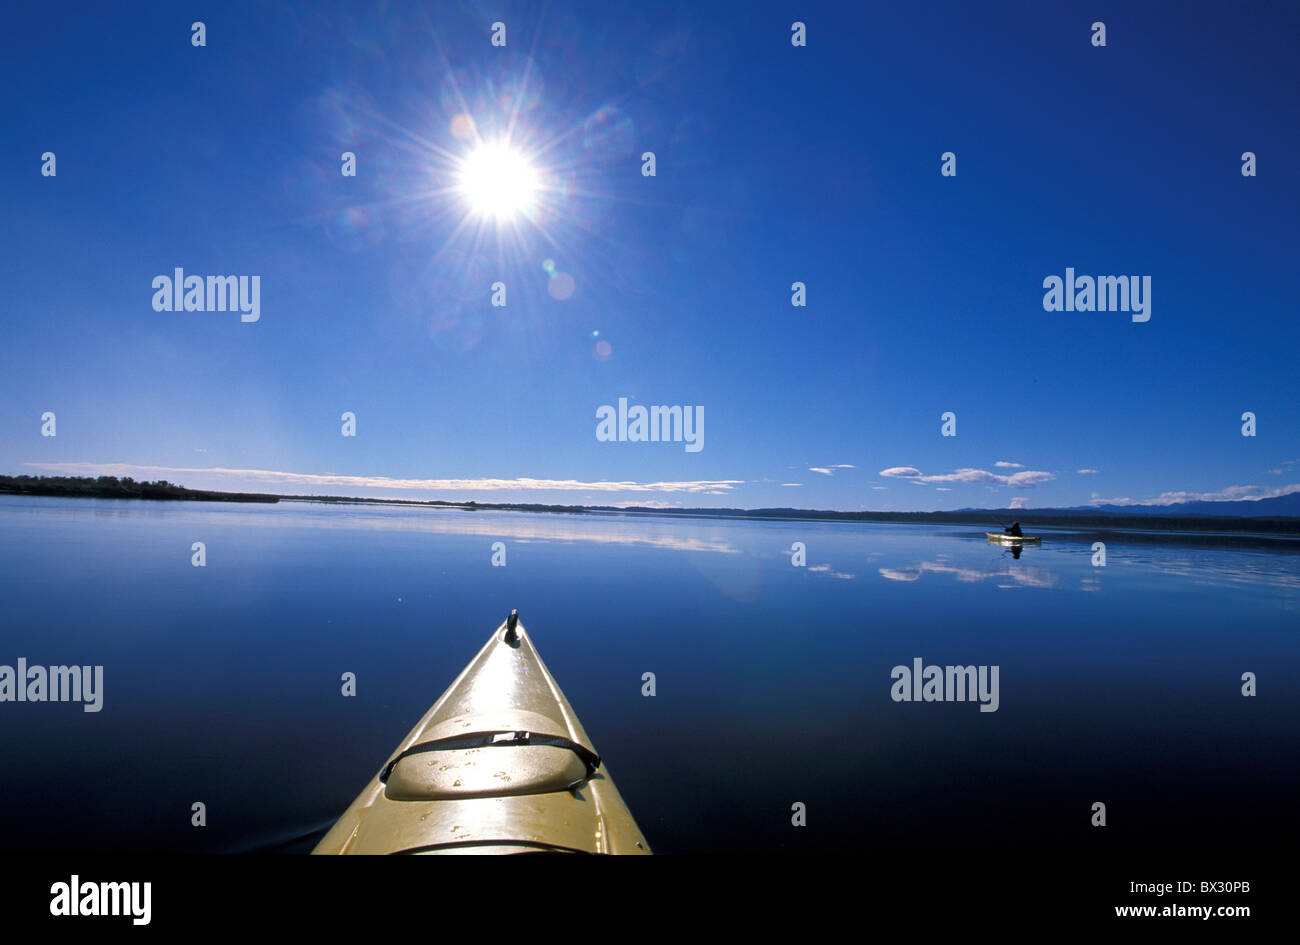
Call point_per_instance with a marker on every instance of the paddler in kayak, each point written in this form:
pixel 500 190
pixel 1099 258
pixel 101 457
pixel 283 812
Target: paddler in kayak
pixel 1014 530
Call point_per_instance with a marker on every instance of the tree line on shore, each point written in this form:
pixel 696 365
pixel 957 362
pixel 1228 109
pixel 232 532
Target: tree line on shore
pixel 115 487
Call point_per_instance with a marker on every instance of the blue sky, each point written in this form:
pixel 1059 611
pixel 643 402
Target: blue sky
pixel 775 164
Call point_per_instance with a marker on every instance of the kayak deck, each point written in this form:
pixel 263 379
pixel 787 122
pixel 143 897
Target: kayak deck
pixel 1012 539
pixel 499 764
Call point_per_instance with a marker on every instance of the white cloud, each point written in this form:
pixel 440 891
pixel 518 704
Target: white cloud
pixel 880 488
pixel 1087 472
pixel 830 470
pixel 1005 465
pixel 275 477
pixel 792 483
pixel 1028 479
pixel 942 489
pixel 1019 502
pixel 1230 494
pixel 819 469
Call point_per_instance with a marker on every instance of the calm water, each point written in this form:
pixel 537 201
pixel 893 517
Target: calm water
pixel 1118 684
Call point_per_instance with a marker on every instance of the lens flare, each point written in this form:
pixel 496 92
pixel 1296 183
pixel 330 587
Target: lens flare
pixel 497 181
pixel 561 286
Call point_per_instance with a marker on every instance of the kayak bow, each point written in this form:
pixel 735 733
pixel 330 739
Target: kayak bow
pixel 499 764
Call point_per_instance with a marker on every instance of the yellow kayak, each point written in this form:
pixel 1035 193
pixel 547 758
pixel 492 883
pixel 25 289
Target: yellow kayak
pixel 500 764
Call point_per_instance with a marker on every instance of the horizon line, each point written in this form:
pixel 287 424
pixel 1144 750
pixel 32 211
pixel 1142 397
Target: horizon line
pixel 1231 494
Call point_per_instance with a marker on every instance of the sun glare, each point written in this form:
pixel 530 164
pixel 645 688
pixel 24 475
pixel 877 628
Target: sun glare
pixel 497 181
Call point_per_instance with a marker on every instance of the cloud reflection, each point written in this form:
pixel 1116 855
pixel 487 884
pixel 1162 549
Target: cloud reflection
pixel 1023 576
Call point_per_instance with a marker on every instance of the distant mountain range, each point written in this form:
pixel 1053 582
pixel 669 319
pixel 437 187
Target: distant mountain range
pixel 1284 506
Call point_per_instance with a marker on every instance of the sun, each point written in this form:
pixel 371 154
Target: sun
pixel 498 181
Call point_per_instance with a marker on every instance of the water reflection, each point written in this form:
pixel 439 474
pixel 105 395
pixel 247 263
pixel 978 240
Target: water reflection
pixel 1215 571
pixel 1021 577
pixel 831 572
pixel 524 527
pixel 746 646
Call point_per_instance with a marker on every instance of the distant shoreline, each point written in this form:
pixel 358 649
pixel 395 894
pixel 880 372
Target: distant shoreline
pixel 111 487
pixel 988 518
pixel 108 487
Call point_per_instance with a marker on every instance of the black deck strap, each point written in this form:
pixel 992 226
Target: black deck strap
pixel 494 740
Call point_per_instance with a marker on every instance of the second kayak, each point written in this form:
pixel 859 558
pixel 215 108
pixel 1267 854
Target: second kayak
pixel 499 764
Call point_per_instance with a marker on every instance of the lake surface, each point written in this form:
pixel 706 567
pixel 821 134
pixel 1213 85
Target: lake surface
pixel 1120 684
